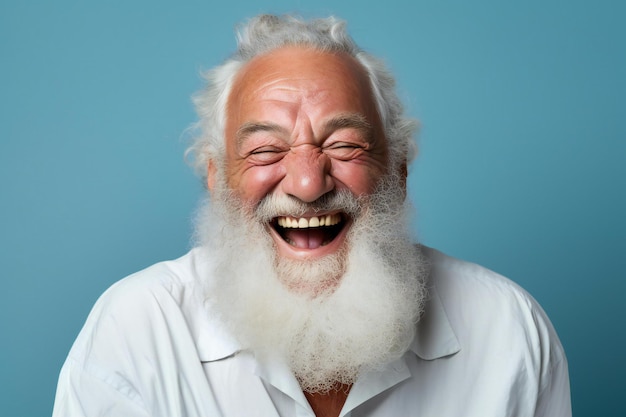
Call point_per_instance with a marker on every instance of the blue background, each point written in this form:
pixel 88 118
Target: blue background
pixel 522 164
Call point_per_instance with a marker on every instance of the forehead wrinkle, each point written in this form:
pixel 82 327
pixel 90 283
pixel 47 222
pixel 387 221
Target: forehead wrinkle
pixel 269 85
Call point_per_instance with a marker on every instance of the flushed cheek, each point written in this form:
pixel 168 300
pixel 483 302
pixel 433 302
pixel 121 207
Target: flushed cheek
pixel 256 182
pixel 359 179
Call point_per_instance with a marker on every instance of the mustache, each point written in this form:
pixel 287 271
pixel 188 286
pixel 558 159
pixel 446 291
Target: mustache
pixel 272 206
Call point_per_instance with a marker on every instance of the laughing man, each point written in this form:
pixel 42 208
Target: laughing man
pixel 305 295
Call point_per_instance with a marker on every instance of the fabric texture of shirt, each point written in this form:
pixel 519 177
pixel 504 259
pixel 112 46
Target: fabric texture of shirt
pixel 150 347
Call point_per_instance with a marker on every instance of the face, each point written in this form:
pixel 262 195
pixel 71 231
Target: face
pixel 303 123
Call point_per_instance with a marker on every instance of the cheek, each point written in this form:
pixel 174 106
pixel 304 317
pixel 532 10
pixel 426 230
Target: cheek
pixel 358 178
pixel 256 182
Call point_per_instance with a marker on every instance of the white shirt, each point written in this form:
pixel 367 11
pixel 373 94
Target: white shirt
pixel 483 348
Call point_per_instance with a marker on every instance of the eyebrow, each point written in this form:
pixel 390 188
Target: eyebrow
pixel 249 128
pixel 350 121
pixel 343 121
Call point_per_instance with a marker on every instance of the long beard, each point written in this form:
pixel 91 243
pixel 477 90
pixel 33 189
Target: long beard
pixel 331 319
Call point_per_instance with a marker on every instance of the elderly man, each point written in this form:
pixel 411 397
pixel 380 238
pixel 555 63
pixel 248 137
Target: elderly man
pixel 305 295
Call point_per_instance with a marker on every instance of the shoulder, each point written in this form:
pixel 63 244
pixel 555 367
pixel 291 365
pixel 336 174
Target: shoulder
pixel 168 284
pixel 487 299
pixel 141 335
pixel 503 340
pixel 159 303
pixel 492 315
pixel 469 287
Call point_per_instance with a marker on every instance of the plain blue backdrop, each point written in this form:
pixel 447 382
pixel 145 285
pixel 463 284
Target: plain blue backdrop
pixel 522 162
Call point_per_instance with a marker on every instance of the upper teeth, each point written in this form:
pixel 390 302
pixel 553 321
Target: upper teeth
pixel 315 221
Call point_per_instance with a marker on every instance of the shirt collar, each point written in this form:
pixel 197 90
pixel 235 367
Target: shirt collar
pixel 215 342
pixel 434 337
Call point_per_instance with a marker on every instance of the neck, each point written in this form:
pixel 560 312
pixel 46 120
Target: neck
pixel 328 404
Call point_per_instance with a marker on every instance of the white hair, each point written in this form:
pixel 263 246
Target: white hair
pixel 265 33
pixel 357 323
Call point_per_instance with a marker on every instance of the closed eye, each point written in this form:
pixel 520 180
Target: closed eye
pixel 344 150
pixel 266 155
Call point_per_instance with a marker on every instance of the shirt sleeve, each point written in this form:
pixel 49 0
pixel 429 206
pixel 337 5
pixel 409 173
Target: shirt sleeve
pixel 135 356
pixel 554 399
pixel 84 393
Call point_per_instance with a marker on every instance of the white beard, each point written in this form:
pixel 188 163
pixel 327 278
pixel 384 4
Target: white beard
pixel 328 337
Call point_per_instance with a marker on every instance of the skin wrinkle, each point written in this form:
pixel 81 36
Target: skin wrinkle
pixel 355 122
pixel 316 165
pixel 354 89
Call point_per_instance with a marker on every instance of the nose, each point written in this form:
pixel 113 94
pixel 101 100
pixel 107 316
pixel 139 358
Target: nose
pixel 307 174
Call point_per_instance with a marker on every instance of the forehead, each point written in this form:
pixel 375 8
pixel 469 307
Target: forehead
pixel 305 77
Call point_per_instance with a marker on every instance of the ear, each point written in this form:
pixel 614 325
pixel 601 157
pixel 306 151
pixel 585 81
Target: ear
pixel 211 174
pixel 404 172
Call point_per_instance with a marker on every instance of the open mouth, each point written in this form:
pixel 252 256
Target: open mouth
pixel 310 232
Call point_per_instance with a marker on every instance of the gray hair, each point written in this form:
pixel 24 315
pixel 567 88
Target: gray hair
pixel 265 33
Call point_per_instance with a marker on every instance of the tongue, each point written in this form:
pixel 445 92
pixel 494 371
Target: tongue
pixel 305 238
